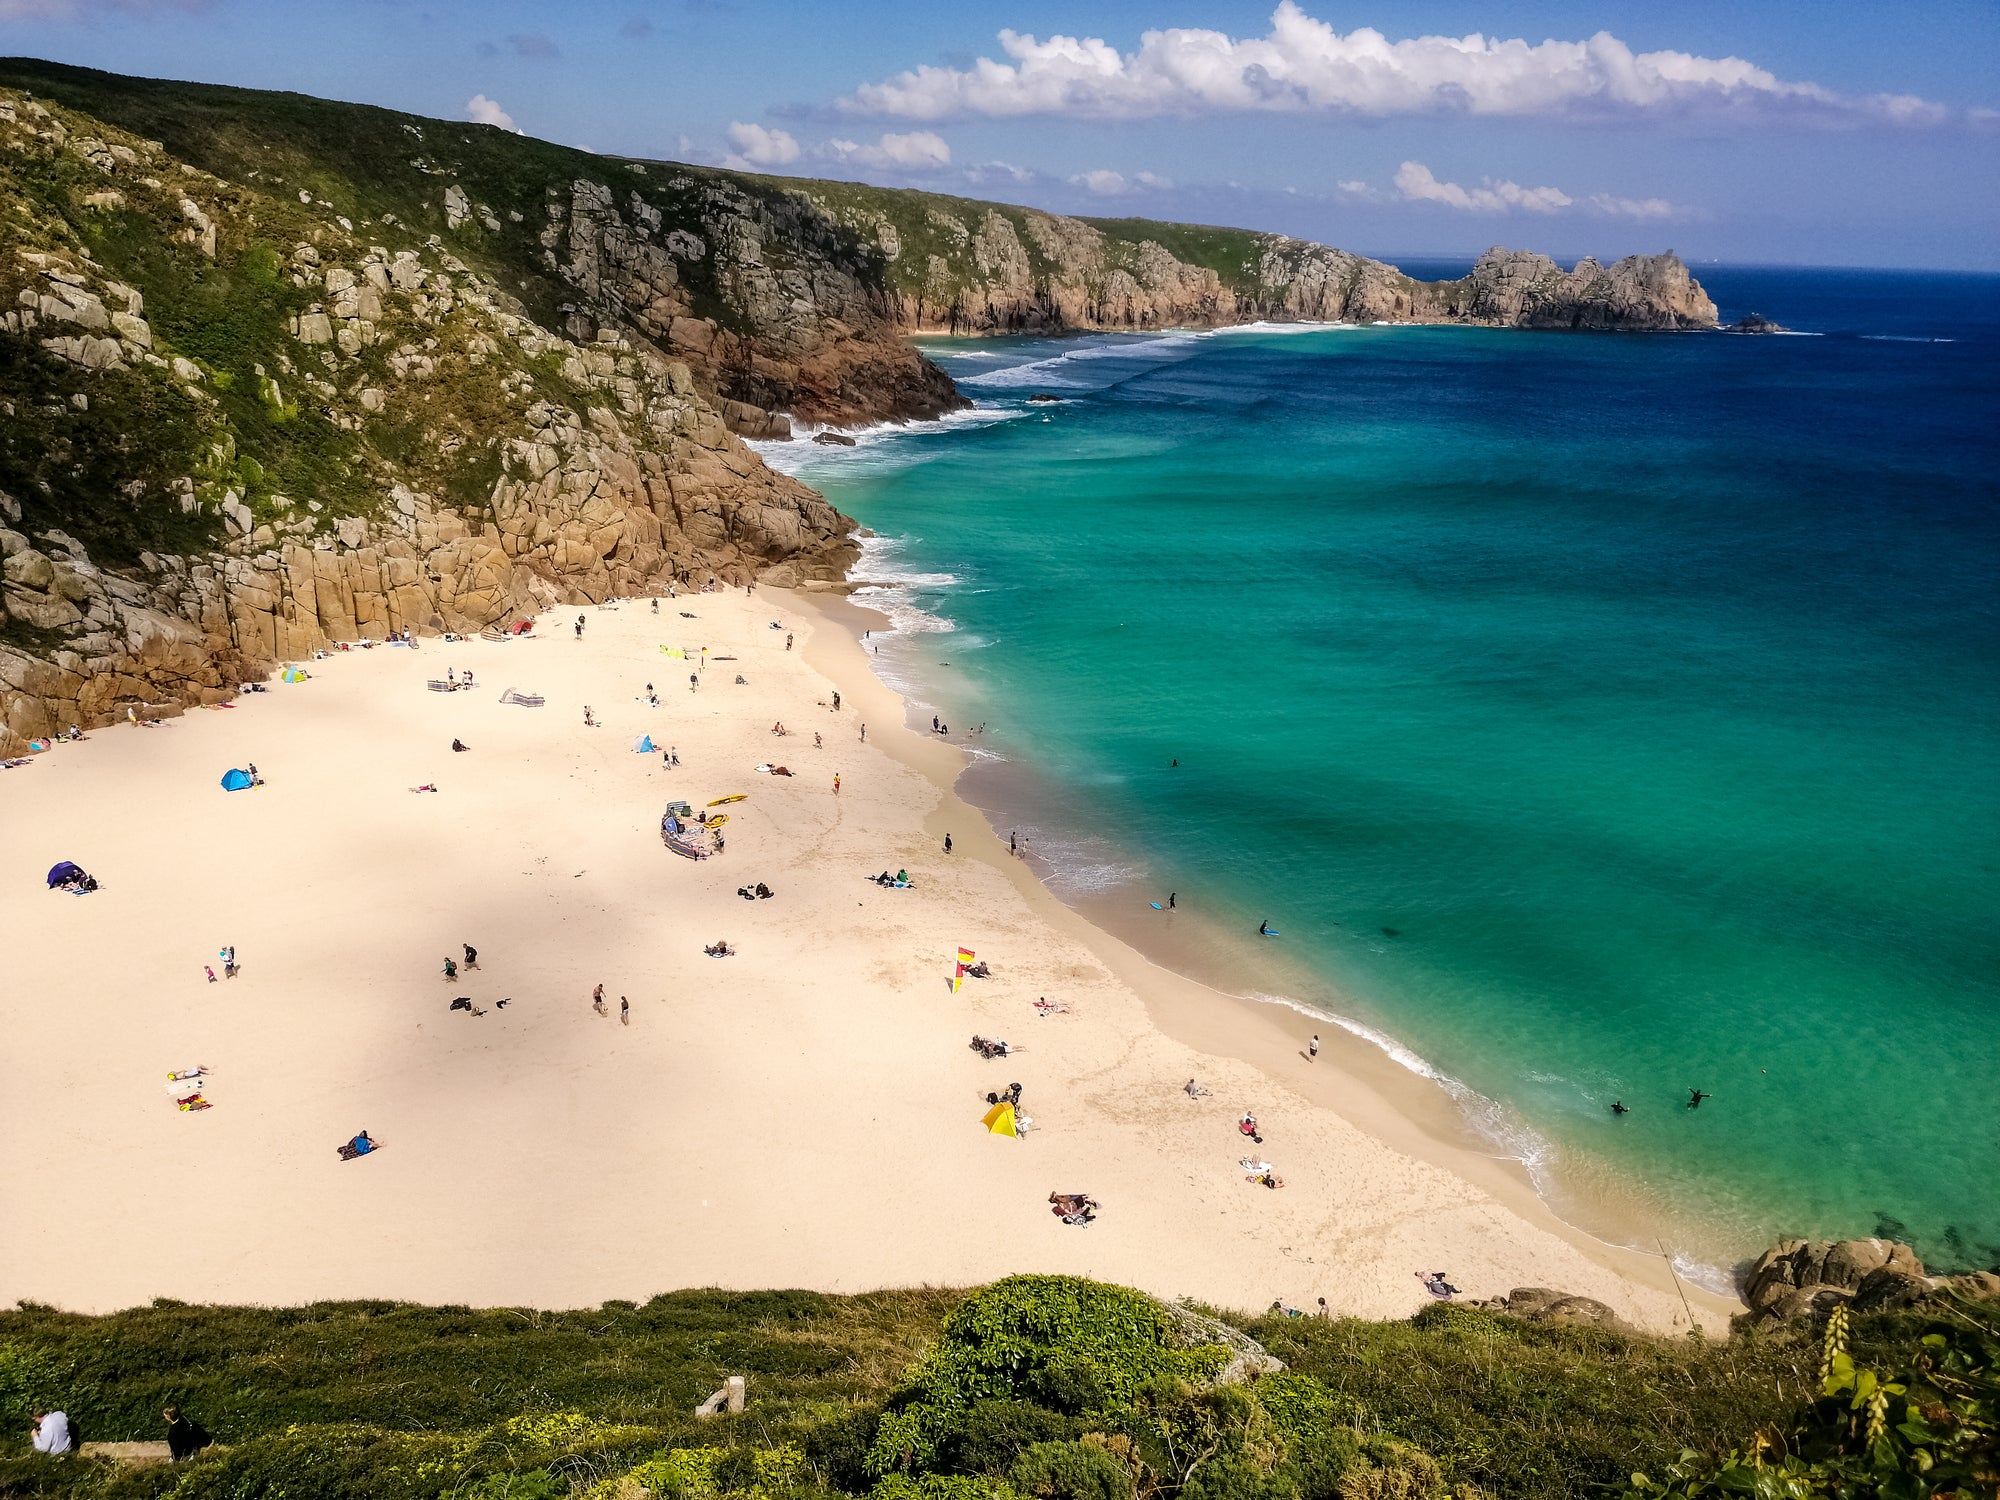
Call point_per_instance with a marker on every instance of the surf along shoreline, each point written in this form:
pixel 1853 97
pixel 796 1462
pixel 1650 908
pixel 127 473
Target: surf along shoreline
pixel 1355 1075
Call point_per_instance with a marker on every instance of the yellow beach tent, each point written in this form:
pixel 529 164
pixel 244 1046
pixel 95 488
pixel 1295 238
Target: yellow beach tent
pixel 999 1119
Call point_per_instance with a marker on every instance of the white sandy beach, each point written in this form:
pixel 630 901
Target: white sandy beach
pixel 806 1113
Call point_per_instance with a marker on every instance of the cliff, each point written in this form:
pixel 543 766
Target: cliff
pixel 277 370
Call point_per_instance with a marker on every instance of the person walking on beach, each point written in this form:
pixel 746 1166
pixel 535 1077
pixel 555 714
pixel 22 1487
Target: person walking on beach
pixel 1172 896
pixel 579 627
pixel 207 969
pixel 597 1001
pixel 836 783
pixel 694 681
pixel 450 969
pixel 836 702
pixel 947 843
pixel 864 734
pixel 1312 1048
pixel 471 955
pixel 788 640
pixel 624 1011
pixel 228 957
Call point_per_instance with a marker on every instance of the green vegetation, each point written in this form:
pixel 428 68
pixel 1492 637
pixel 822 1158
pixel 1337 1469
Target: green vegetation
pixel 1037 1388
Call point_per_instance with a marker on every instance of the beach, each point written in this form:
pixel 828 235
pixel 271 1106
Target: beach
pixel 804 1113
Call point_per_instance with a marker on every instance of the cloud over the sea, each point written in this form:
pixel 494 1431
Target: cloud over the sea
pixel 1305 66
pixel 1416 183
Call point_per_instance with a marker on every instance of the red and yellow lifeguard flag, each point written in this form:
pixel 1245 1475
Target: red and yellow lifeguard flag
pixel 958 974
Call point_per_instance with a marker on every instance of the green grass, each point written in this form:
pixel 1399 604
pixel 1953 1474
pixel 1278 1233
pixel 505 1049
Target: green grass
pixel 387 1399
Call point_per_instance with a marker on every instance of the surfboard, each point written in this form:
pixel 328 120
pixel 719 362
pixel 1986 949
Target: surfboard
pixel 1158 907
pixel 719 801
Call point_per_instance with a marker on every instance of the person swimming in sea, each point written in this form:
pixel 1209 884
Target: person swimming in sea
pixel 1695 1096
pixel 1618 1107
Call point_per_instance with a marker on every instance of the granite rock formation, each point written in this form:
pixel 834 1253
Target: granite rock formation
pixel 1808 1278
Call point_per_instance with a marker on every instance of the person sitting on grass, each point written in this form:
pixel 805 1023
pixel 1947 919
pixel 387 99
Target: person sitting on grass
pixel 51 1434
pixel 185 1436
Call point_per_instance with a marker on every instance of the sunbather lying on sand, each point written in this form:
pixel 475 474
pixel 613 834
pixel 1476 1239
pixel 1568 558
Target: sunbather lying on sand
pixel 991 1047
pixel 1074 1208
pixel 1045 1007
pixel 361 1145
pixel 719 950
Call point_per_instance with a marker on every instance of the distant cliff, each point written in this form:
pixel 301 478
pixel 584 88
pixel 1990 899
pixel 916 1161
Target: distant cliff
pixel 276 370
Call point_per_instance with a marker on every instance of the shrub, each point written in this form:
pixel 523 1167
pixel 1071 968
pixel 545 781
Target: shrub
pixel 1074 1344
pixel 1070 1471
pixel 994 1434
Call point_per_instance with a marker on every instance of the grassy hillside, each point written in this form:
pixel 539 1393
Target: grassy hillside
pixel 1039 1388
pixel 367 162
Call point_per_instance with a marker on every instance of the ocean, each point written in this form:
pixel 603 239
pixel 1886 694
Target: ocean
pixel 1595 717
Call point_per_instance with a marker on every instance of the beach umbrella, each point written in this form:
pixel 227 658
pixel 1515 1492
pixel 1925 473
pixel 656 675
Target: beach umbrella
pixel 999 1119
pixel 235 780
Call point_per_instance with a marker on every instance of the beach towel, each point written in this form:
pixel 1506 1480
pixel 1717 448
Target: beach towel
pixel 193 1102
pixel 525 700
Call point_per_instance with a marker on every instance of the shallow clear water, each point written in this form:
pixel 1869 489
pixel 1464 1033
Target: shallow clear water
pixel 1599 717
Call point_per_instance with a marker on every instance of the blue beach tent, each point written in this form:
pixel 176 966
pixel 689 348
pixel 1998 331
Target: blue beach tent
pixel 235 781
pixel 64 873
pixel 643 745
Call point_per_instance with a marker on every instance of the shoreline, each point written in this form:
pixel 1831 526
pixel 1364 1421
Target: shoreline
pixel 1354 1076
pixel 758 1124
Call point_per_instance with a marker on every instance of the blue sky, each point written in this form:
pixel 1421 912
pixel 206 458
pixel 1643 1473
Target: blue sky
pixel 1801 131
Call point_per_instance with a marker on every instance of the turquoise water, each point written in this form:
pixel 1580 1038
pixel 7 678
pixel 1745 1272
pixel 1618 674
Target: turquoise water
pixel 1598 717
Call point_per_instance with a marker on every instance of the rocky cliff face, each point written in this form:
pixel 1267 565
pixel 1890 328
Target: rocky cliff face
pixel 238 426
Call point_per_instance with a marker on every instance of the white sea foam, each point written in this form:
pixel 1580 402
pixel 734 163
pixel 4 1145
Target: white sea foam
pixel 877 445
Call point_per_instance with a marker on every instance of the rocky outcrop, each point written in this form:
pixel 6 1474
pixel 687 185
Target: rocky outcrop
pixel 1517 289
pixel 1538 1304
pixel 1754 323
pixel 806 334
pixel 1808 1278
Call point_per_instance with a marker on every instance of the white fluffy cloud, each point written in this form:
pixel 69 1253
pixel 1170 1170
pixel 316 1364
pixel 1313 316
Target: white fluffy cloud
pixel 918 151
pixel 484 111
pixel 1416 183
pixel 757 147
pixel 1109 184
pixel 1305 65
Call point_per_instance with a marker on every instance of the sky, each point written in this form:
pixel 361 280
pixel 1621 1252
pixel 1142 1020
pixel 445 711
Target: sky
pixel 1813 132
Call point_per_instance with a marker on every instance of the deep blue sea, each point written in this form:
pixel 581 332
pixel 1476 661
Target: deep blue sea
pixel 1597 717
